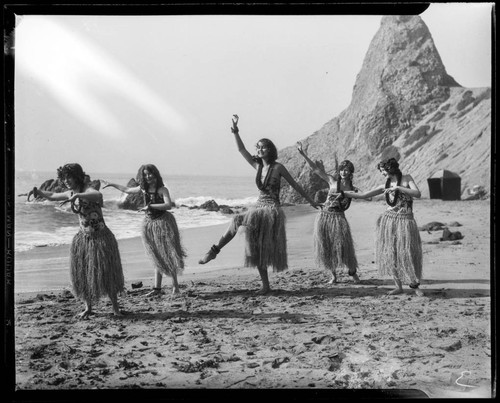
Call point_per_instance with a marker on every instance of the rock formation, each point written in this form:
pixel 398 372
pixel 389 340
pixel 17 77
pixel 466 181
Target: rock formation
pixel 53 185
pixel 404 105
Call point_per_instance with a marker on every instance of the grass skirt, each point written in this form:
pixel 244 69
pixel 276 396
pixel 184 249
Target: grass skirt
pixel 162 242
pixel 265 237
pixel 95 265
pixel 333 244
pixel 398 248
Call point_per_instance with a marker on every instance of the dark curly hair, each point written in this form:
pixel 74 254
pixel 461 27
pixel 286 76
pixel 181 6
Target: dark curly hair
pixel 156 173
pixel 74 171
pixel 346 164
pixel 391 166
pixel 273 151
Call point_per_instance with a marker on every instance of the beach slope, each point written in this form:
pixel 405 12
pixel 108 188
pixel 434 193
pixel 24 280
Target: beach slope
pixel 305 335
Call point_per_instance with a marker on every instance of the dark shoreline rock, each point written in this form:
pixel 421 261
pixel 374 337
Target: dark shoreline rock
pixel 136 201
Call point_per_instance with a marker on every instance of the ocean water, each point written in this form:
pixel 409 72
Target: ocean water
pixel 44 223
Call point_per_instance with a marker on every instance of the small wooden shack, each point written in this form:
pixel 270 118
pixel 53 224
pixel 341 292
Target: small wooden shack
pixel 445 185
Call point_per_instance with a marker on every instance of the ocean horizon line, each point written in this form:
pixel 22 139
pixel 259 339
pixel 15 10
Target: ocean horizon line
pixel 132 175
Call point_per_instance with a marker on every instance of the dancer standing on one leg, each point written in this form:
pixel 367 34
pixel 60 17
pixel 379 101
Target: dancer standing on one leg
pixel 265 223
pixel 160 234
pixel 398 248
pixel 333 244
pixel 95 268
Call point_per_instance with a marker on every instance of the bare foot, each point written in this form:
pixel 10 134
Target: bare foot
pixel 333 280
pixel 419 292
pixel 263 291
pixel 85 314
pixel 396 291
pixel 156 291
pixel 176 294
pixel 211 254
pixel 356 279
pixel 116 307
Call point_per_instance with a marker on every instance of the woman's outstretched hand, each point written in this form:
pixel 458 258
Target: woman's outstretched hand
pixel 235 129
pixel 391 189
pixel 70 199
pixel 299 147
pixel 32 192
pixel 317 205
pixel 144 209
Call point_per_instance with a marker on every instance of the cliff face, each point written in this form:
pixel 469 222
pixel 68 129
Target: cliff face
pixel 404 105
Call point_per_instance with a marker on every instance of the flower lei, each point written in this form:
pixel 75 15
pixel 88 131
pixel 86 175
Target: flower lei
pixel 75 207
pixel 343 207
pixel 396 192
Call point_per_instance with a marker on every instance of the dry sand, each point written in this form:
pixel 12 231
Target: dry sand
pixel 306 335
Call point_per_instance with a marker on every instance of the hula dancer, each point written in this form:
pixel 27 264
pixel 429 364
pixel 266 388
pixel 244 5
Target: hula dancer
pixel 95 268
pixel 160 234
pixel 398 248
pixel 265 222
pixel 333 244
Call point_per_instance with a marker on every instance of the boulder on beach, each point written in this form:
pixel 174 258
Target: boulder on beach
pixel 451 236
pixel 432 226
pixel 476 193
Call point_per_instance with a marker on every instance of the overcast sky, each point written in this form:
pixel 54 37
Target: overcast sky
pixel 115 92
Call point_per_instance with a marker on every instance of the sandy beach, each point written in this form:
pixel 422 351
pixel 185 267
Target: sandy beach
pixel 306 335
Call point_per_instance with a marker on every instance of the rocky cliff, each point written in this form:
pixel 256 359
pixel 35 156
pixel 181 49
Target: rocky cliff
pixel 404 105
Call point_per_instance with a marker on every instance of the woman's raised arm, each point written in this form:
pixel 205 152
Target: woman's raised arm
pixel 239 143
pixel 316 169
